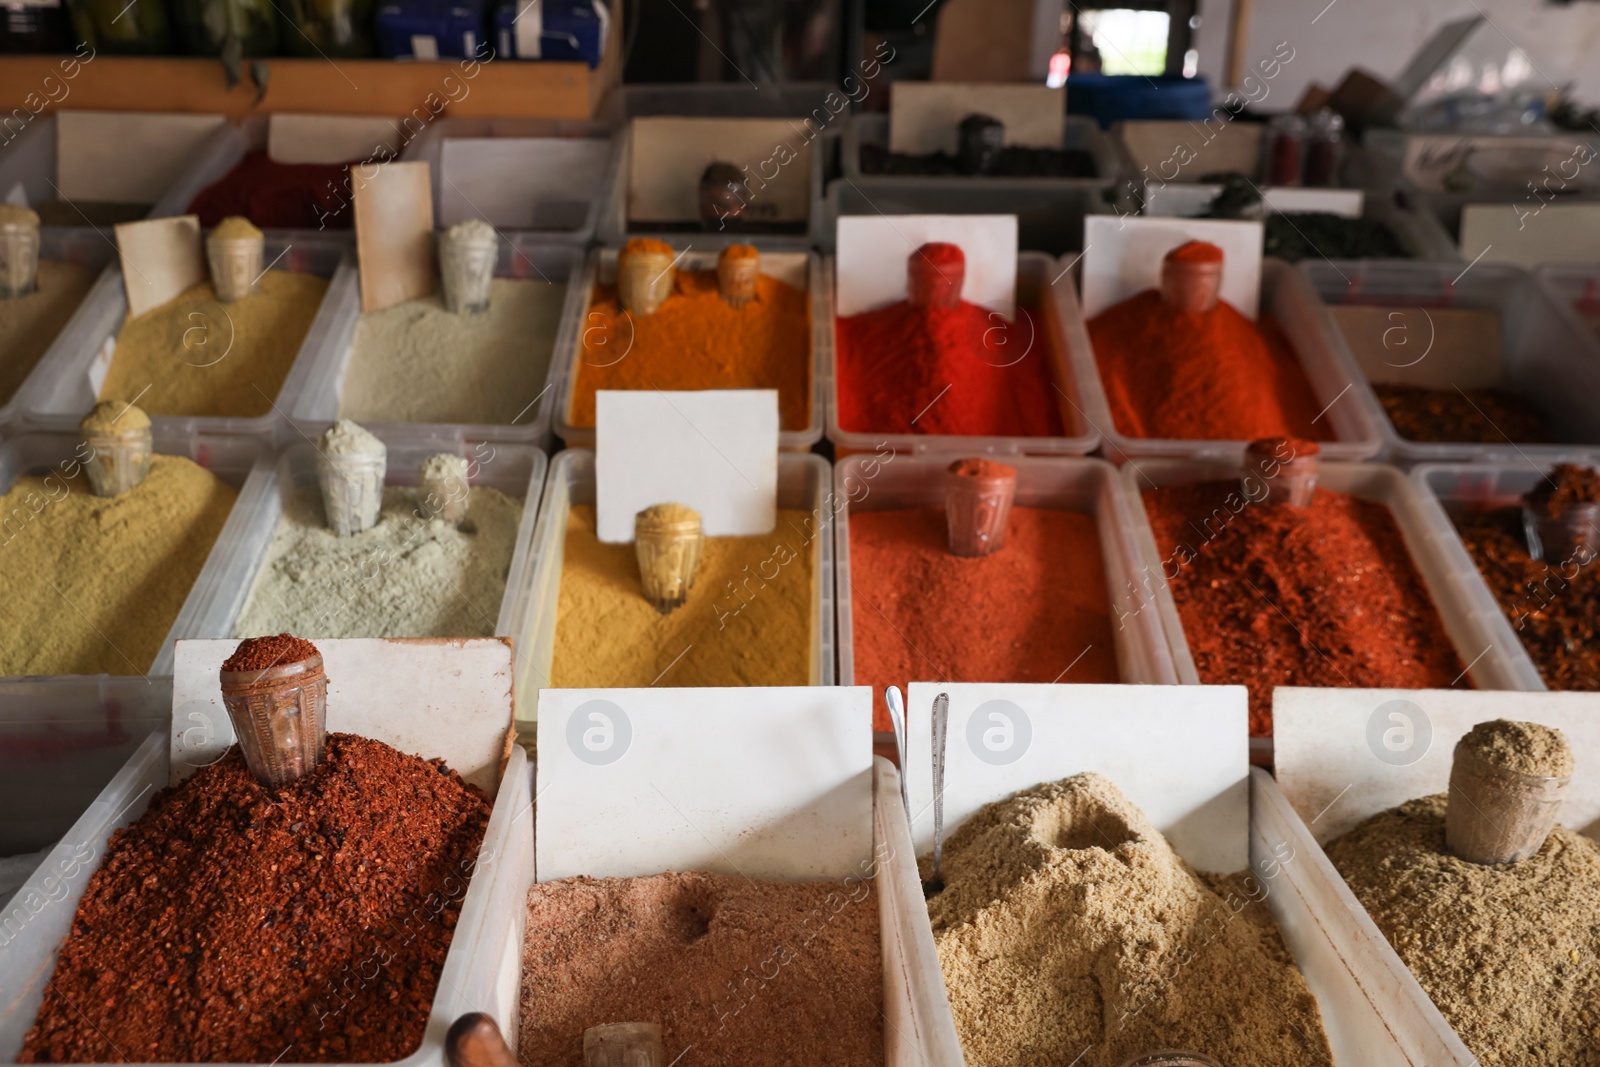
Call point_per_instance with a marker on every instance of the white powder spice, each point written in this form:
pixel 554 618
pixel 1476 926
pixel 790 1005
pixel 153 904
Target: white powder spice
pixel 420 362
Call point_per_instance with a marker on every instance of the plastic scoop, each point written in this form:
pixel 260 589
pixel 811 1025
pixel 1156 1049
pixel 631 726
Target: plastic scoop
pixel 119 435
pixel 442 488
pixel 350 467
pixel 1191 277
pixel 738 270
pixel 467 254
pixel 1171 1058
pixel 723 195
pixel 977 505
pixel 668 542
pixel 1287 466
pixel 475 1040
pixel 933 885
pixel 979 139
pixel 624 1045
pixel 276 695
pixel 235 252
pixel 1561 516
pixel 19 250
pixel 935 274
pixel 645 275
pixel 1497 813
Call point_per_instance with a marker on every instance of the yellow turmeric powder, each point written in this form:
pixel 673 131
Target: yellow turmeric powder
pixel 696 340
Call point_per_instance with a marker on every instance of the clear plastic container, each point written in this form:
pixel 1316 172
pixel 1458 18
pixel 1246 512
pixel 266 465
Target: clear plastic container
pixel 1544 353
pixel 66 383
pixel 1284 296
pixel 487 930
pixel 800 269
pixel 517 470
pixel 1039 285
pixel 231 458
pixel 1574 288
pixel 804 484
pixel 1084 485
pixel 315 407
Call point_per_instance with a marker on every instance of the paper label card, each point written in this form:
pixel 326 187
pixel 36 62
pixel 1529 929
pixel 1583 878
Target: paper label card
pixel 1166 150
pixel 521 183
pixel 1181 753
pixel 1453 164
pixel 161 258
pixel 765 783
pixel 1528 234
pixel 332 138
pixel 1122 257
pixel 924 116
pixel 123 157
pixel 1188 201
pixel 715 451
pixel 394 235
pixel 873 252
pixel 668 155
pixel 434 698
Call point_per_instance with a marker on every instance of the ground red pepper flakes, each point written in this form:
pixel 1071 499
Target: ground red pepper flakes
pixel 260 653
pixel 273 195
pixel 1273 595
pixel 981 468
pixel 1566 484
pixel 231 924
pixel 1457 416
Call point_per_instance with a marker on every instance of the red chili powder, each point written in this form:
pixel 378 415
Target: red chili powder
pixel 1272 595
pixel 259 653
pixel 1214 375
pixel 909 369
pixel 1035 611
pixel 273 195
pixel 981 468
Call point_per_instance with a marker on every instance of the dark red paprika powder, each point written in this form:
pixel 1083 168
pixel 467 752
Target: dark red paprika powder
pixel 273 195
pixel 260 653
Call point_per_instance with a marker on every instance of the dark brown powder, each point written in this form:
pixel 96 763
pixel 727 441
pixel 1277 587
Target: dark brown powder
pixel 1522 747
pixel 260 653
pixel 1565 485
pixel 234 925
pixel 1456 416
pixel 738 972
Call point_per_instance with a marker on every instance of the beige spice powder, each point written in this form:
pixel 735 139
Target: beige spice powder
pixel 28 324
pixel 1070 932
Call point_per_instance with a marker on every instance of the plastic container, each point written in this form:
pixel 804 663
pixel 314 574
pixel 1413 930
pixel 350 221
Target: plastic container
pixel 515 469
pixel 1286 297
pixel 1544 353
pixel 1084 485
pixel 491 909
pixel 1574 288
pixel 232 459
pixel 1463 618
pixel 801 269
pixel 575 190
pixel 1039 285
pixel 803 484
pixel 1119 97
pixel 67 381
pixel 316 406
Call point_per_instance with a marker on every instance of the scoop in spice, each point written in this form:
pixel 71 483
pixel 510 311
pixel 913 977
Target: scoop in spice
pixel 723 194
pixel 235 251
pixel 351 464
pixel 442 487
pixel 467 254
pixel 977 505
pixel 1561 515
pixel 624 1045
pixel 1191 277
pixel 738 269
pixel 1287 466
pixel 123 445
pixel 1172 1058
pixel 979 141
pixel 475 1040
pixel 19 250
pixel 668 540
pixel 1507 783
pixel 935 274
pixel 645 275
pixel 276 695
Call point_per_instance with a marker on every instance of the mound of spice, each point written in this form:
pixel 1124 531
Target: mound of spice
pixel 1273 595
pixel 28 324
pixel 273 195
pixel 264 653
pixel 743 972
pixel 407 576
pixel 1462 416
pixel 92 584
pixel 1068 923
pixel 420 362
pixel 1301 235
pixel 361 865
pixel 1034 611
pixel 1012 161
pixel 197 356
pixel 747 619
pixel 697 340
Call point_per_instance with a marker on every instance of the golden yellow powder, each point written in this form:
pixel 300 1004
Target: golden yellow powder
pixel 91 584
pixel 28 324
pixel 738 627
pixel 199 356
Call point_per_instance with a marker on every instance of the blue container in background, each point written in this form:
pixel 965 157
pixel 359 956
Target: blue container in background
pixel 430 29
pixel 573 30
pixel 1110 98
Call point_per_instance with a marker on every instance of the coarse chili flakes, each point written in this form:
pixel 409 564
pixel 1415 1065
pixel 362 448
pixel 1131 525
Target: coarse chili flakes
pixel 260 653
pixel 232 924
pixel 1455 416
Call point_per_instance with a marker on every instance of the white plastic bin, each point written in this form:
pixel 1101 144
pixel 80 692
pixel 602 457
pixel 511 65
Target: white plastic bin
pixel 1544 353
pixel 315 407
pixel 65 385
pixel 1041 289
pixel 804 484
pixel 800 269
pixel 30 939
pixel 1286 297
pixel 1086 486
pixel 231 458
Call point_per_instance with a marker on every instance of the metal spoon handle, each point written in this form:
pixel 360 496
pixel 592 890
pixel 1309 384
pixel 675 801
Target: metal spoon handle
pixel 897 719
pixel 941 724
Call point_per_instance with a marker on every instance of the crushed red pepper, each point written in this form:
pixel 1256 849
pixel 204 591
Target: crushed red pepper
pixel 1454 416
pixel 260 653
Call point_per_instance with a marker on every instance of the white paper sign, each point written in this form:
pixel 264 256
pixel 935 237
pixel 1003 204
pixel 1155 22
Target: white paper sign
pixel 330 139
pixel 435 698
pixel 1181 753
pixel 715 451
pixel 520 183
pixel 1185 200
pixel 1122 257
pixel 1343 755
pixel 160 260
pixel 873 251
pixel 766 783
pixel 127 157
pixel 924 116
pixel 1530 234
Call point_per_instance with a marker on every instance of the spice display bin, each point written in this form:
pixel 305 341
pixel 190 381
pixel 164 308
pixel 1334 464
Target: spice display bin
pixel 1331 371
pixel 1086 486
pixel 67 381
pixel 494 895
pixel 514 469
pixel 577 185
pixel 1449 489
pixel 231 458
pixel 804 484
pixel 84 248
pixel 1574 288
pixel 1038 279
pixel 1544 352
pixel 1464 617
pixel 800 269
pixel 315 407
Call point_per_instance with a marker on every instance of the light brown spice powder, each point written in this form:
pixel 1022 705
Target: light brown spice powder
pixel 1523 747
